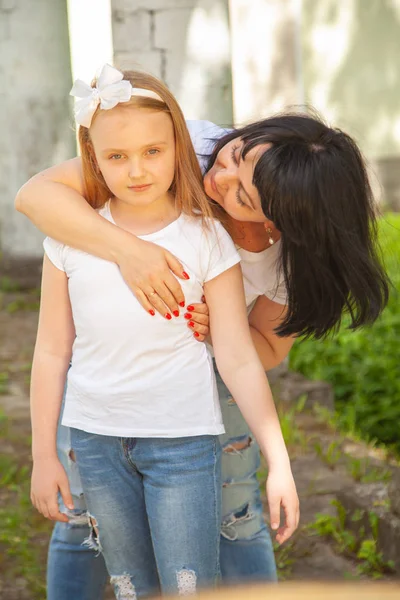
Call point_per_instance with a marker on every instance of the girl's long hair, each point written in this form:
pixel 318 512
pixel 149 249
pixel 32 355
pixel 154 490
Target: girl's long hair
pixel 313 185
pixel 187 185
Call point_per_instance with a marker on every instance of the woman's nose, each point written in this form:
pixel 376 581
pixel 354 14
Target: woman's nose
pixel 226 176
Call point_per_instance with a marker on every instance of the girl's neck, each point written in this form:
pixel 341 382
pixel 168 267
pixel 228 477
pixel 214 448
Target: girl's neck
pixel 143 220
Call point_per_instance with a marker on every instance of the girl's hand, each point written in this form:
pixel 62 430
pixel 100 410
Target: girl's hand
pixel 49 477
pixel 198 320
pixel 281 492
pixel 148 268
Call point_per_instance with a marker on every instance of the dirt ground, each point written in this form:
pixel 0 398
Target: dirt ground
pixel 24 534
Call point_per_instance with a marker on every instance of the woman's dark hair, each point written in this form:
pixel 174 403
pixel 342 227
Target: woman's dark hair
pixel 314 186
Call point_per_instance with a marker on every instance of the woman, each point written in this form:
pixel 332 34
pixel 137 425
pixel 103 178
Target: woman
pixel 299 207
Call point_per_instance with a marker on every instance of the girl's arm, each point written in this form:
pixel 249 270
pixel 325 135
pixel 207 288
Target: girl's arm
pixel 263 319
pixel 51 358
pixel 53 200
pixel 243 373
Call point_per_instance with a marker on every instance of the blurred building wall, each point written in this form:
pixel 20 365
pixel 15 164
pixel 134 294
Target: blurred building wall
pixel 351 74
pixel 35 120
pixel 225 60
pixel 184 42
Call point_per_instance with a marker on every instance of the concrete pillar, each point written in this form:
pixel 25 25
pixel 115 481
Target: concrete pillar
pixel 36 124
pixel 185 43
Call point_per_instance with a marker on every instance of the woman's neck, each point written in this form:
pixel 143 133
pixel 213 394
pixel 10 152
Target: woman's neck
pixel 143 220
pixel 249 236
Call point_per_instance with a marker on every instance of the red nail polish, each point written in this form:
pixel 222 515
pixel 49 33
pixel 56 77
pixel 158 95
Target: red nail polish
pixel 186 276
pixel 188 316
pixel 151 311
pixel 196 334
pixel 181 304
pixel 190 308
pixel 191 324
pixel 168 316
pixel 176 313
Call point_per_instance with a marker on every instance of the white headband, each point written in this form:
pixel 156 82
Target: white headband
pixel 110 90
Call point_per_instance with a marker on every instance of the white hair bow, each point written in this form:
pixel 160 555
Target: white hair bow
pixel 110 90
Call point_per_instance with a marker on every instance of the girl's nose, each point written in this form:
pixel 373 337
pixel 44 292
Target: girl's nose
pixel 136 169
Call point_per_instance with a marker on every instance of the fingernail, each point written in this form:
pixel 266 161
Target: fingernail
pixel 188 316
pixel 168 316
pixel 186 276
pixel 191 324
pixel 151 311
pixel 175 313
pixel 203 298
pixel 181 304
pixel 274 525
pixel 196 334
pixel 190 307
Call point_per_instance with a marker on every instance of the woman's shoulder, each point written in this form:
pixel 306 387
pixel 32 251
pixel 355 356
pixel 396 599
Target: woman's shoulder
pixel 204 134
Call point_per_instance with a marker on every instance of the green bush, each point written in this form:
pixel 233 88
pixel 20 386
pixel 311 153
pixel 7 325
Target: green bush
pixel 364 365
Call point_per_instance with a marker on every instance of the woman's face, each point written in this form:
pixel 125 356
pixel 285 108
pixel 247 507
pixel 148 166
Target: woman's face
pixel 230 182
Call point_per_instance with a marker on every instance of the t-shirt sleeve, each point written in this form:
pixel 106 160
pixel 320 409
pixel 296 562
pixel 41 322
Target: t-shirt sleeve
pixel 55 252
pixel 220 254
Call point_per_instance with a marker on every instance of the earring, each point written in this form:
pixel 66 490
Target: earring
pixel 270 238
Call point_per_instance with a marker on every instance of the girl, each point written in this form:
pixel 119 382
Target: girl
pixel 314 202
pixel 141 398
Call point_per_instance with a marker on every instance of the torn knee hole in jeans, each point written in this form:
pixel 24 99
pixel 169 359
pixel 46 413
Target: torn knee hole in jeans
pixel 93 540
pixel 236 518
pixel 238 446
pixel 186 580
pixel 123 586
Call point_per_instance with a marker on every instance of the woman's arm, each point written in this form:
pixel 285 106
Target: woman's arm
pixel 53 200
pixel 244 375
pixel 51 358
pixel 263 319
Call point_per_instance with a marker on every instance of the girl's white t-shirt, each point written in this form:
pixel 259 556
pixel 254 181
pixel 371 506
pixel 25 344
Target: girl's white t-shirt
pixel 133 374
pixel 260 269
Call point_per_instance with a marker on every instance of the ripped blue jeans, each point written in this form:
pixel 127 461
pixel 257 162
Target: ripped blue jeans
pixel 246 553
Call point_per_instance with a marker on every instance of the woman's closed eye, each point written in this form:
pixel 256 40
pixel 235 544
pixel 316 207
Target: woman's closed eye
pixel 233 155
pixel 238 198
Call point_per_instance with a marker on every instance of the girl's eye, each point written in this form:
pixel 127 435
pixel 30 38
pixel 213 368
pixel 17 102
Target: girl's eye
pixel 153 151
pixel 239 200
pixel 115 156
pixel 233 155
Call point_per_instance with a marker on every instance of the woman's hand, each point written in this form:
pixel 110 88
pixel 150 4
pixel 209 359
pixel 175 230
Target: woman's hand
pixel 150 271
pixel 281 492
pixel 198 320
pixel 49 477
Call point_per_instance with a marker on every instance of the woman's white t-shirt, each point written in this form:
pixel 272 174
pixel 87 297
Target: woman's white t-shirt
pixel 260 269
pixel 133 374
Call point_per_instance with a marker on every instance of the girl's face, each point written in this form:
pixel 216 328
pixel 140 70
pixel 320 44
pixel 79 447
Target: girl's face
pixel 135 152
pixel 230 182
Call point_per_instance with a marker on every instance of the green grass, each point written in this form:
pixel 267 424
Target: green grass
pixel 23 532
